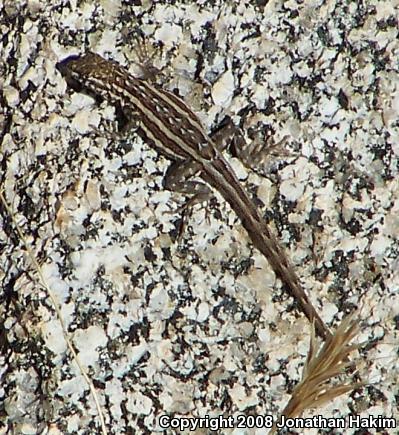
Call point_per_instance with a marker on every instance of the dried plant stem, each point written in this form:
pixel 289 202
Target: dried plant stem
pixel 54 301
pixel 324 363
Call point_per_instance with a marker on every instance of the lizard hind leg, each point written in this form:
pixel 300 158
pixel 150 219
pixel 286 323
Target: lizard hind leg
pixel 261 152
pixel 258 153
pixel 178 178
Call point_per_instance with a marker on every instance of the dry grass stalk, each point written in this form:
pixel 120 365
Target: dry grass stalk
pixel 324 363
pixel 68 340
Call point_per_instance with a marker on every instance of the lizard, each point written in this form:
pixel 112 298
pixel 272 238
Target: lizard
pixel 172 128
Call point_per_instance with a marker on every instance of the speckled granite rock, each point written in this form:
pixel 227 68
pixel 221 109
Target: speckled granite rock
pixel 198 327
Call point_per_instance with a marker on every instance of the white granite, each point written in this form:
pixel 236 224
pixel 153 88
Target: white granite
pixel 199 326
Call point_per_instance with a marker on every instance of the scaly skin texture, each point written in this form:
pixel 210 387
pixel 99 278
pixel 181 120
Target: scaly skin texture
pixel 177 133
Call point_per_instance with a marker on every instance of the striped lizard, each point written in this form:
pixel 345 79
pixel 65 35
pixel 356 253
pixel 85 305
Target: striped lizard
pixel 177 133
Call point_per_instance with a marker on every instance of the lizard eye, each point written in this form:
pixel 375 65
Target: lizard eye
pixel 67 64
